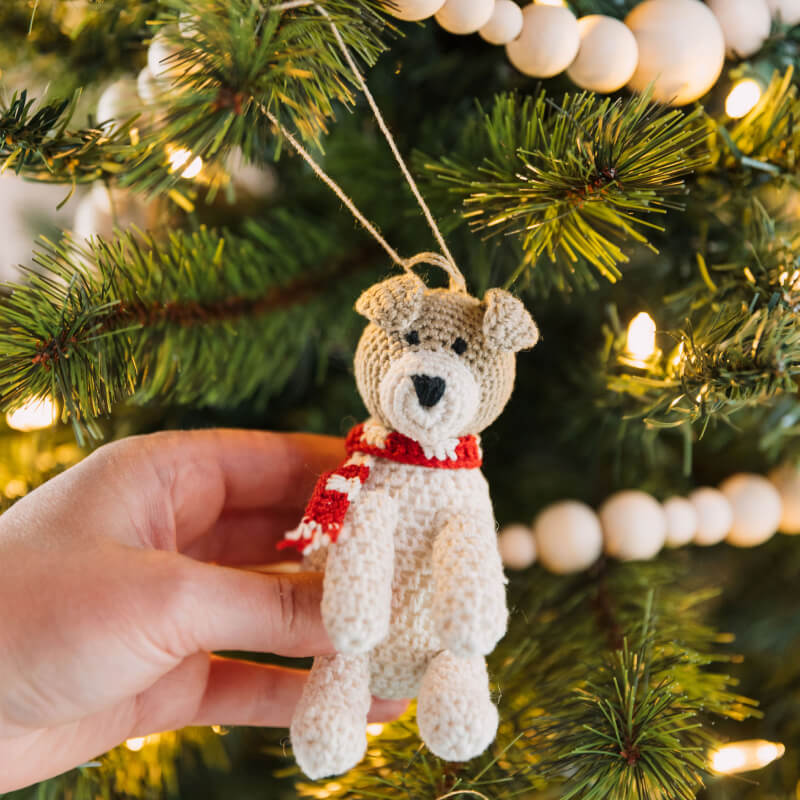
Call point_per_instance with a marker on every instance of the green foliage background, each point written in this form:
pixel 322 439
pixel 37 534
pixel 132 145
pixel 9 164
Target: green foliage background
pixel 238 311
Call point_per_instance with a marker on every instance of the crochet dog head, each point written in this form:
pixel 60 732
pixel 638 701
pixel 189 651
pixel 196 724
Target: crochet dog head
pixel 436 364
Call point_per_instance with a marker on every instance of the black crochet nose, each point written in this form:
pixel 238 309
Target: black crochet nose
pixel 429 390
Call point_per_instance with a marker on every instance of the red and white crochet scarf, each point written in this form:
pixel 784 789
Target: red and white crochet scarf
pixel 325 513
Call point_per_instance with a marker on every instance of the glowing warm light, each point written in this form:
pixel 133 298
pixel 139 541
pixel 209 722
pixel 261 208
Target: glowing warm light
pixel 642 337
pixel 791 280
pixel 678 357
pixel 181 158
pixel 218 729
pixel 742 98
pixel 135 744
pixel 745 756
pixel 374 729
pixel 15 488
pixel 138 742
pixel 35 414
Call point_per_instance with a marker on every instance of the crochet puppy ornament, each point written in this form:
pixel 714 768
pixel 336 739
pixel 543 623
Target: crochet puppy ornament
pixel 414 592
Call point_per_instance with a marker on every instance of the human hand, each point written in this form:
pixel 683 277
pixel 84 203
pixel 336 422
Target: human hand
pixel 109 606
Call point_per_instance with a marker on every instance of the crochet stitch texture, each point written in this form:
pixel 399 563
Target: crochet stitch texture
pixel 335 490
pixel 414 591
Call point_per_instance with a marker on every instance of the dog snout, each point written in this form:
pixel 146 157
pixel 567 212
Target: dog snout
pixel 429 389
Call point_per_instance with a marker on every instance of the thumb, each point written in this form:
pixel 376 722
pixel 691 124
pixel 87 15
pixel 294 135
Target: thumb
pixel 222 608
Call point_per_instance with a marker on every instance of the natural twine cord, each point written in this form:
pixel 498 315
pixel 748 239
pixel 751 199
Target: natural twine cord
pixel 334 187
pixel 444 260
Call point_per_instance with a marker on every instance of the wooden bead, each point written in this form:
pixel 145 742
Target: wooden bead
pixel 681 49
pixel 414 10
pixel 505 23
pixel 100 212
pixel 786 11
pixel 160 58
pixel 634 525
pixel 681 521
pixel 118 101
pixel 714 515
pixel 517 546
pixel 464 16
pixel 786 479
pixel 745 24
pixel 756 506
pixel 548 42
pixel 607 55
pixel 257 180
pixel 147 86
pixel 568 537
pixel 93 215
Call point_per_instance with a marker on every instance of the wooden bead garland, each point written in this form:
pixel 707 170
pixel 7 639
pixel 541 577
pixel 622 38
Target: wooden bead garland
pixel 681 49
pixel 681 521
pixel 634 525
pixel 160 58
pixel 148 86
pixel 678 46
pixel 568 536
pixel 414 10
pixel 714 515
pixel 786 479
pixel 517 546
pixel 756 507
pixel 607 56
pixel 118 101
pixel 505 23
pixel 548 42
pixel 745 24
pixel 464 16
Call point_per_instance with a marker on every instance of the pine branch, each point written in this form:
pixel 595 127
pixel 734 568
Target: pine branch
pixel 69 53
pixel 152 773
pixel 574 181
pixel 39 145
pixel 242 62
pixel 176 321
pixel 740 341
pixel 761 146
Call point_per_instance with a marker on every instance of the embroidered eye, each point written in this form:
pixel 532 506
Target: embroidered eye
pixel 460 346
pixel 412 337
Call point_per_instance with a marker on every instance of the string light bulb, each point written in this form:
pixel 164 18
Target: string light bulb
pixel 742 98
pixel 375 729
pixel 34 415
pixel 678 357
pixel 136 743
pixel 745 756
pixel 181 159
pixel 641 342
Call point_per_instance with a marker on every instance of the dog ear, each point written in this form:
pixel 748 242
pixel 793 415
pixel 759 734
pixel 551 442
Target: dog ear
pixel 392 304
pixel 507 325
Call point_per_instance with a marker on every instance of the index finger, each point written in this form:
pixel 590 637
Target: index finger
pixel 259 469
pixel 166 489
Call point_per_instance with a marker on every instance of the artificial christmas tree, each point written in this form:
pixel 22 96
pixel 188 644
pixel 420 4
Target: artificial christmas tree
pixel 657 245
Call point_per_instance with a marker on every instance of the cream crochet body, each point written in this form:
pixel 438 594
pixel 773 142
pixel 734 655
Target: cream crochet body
pixel 429 498
pixel 414 592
